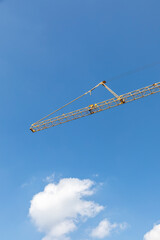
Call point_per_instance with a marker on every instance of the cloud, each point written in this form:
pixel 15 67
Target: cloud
pixel 57 210
pixel 28 183
pixel 50 178
pixel 105 228
pixel 153 234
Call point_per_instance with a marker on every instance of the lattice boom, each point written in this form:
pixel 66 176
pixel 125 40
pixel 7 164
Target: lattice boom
pixel 110 103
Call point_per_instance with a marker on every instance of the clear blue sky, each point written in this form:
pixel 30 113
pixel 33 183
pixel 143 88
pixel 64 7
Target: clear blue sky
pixel 51 52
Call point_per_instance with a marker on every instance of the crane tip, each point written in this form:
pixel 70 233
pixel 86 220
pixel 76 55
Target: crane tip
pixel 32 130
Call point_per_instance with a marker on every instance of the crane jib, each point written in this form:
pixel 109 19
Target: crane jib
pixel 95 108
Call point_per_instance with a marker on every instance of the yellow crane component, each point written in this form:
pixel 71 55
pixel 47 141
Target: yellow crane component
pixel 94 108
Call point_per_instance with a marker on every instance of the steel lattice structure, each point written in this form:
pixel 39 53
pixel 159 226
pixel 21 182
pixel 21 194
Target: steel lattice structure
pixel 101 106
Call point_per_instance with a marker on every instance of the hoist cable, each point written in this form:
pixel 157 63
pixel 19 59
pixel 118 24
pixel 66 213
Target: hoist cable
pixel 133 71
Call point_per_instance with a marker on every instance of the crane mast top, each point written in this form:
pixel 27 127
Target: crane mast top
pixel 48 121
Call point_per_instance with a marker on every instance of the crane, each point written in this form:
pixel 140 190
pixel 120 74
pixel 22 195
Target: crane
pixel 117 100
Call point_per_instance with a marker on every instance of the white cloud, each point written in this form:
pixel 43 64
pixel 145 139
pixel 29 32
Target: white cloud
pixel 58 209
pixel 153 234
pixel 123 226
pixel 105 228
pixel 50 178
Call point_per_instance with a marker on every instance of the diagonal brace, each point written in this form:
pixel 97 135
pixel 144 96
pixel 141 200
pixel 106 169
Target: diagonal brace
pixel 111 91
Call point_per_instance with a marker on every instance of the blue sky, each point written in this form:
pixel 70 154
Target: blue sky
pixel 51 52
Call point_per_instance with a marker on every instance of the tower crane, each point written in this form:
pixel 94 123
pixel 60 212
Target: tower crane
pixel 117 100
